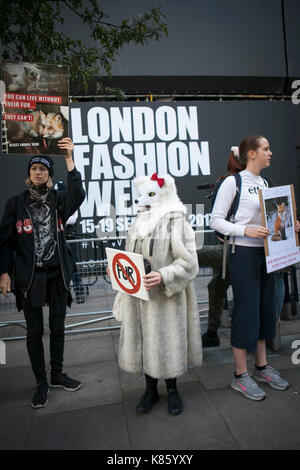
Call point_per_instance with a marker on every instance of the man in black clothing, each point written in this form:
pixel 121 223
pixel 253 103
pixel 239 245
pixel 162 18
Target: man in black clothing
pixel 34 252
pixel 212 256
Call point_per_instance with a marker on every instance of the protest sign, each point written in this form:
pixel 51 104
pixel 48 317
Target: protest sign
pixel 35 107
pixel 126 272
pixel 278 210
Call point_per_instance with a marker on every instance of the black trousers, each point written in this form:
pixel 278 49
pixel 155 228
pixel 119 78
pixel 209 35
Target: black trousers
pixel 57 300
pixel 254 306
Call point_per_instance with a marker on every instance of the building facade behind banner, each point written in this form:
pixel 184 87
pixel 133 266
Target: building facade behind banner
pixel 213 46
pixel 114 142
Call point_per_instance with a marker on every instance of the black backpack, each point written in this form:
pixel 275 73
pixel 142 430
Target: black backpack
pixel 235 203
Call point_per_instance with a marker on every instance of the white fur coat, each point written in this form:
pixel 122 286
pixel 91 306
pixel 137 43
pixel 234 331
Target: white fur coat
pixel 162 336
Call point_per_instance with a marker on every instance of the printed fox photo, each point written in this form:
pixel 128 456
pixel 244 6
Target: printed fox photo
pixel 35 107
pixel 280 222
pixel 279 219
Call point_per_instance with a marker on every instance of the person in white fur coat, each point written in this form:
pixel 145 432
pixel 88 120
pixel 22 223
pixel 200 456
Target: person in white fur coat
pixel 162 336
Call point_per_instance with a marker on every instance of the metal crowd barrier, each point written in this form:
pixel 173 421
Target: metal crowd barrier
pixel 92 293
pixel 91 290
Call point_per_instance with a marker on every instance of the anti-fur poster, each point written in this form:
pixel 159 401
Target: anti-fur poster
pixel 279 215
pixel 35 107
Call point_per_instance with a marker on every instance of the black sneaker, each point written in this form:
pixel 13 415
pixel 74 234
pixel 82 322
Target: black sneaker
pixel 210 339
pixel 175 405
pixel 40 398
pixel 148 399
pixel 62 380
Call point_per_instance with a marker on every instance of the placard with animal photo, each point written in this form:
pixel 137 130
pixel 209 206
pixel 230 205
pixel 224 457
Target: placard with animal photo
pixel 278 210
pixel 35 107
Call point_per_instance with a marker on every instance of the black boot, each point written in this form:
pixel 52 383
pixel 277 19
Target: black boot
pixel 210 339
pixel 150 397
pixel 175 405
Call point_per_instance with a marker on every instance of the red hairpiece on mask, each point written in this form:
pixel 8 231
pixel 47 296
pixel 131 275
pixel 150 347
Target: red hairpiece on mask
pixel 160 181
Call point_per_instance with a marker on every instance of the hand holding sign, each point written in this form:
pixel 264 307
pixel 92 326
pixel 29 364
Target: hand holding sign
pixel 152 279
pixel 256 232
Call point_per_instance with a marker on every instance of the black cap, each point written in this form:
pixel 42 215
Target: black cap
pixel 44 159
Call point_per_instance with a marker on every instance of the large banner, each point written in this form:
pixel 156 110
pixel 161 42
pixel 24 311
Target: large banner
pixel 35 107
pixel 114 142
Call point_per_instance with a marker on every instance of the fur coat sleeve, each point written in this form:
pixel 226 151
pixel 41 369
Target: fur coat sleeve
pixel 184 268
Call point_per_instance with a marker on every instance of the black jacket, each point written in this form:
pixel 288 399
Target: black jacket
pixel 17 252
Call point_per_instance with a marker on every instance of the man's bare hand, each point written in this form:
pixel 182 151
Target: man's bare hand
pixel 5 284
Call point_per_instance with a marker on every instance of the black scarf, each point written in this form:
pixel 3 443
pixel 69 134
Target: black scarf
pixel 39 193
pixel 42 214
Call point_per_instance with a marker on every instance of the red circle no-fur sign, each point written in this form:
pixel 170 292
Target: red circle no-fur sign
pixel 126 273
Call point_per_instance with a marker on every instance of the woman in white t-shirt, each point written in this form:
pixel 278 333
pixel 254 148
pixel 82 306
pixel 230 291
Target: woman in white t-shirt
pixel 254 311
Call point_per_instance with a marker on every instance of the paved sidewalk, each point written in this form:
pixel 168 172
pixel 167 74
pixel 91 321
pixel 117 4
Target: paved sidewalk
pixel 101 415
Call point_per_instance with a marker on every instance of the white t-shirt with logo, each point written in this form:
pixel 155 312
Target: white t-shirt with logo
pixel 248 213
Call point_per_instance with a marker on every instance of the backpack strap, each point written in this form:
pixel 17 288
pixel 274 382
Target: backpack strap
pixel 268 182
pixel 233 211
pixel 151 244
pixel 224 255
pixel 235 203
pixel 174 215
pixel 231 217
pixel 151 248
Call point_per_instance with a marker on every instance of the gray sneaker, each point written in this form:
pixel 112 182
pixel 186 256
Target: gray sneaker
pixel 246 385
pixel 272 377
